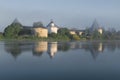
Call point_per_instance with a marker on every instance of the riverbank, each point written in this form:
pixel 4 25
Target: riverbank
pixel 56 40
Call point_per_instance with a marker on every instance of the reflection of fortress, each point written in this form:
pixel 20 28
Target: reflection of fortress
pixel 100 47
pixel 38 48
pixel 41 47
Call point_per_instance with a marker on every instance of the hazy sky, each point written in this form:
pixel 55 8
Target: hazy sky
pixel 68 13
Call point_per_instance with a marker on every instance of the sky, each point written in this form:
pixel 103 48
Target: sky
pixel 65 13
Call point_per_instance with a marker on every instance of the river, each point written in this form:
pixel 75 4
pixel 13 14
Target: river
pixel 74 60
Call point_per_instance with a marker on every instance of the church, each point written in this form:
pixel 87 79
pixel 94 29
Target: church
pixel 52 27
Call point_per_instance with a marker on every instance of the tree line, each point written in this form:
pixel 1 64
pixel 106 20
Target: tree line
pixel 15 31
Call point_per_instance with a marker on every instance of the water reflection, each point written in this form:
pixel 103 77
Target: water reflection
pixel 14 49
pixel 51 48
pixel 39 48
pixel 94 48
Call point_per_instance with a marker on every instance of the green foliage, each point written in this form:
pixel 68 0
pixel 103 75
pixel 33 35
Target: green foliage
pixel 12 30
pixel 1 36
pixel 63 34
pixel 75 37
pixel 64 31
pixel 93 35
pixel 53 35
pixel 64 37
pixel 110 35
pixel 96 35
pixel 58 36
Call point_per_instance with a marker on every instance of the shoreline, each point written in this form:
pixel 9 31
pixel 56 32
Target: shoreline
pixel 55 40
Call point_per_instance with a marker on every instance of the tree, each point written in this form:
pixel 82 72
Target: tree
pixel 1 36
pixel 53 35
pixel 12 30
pixel 75 37
pixel 64 31
pixel 38 24
pixel 95 35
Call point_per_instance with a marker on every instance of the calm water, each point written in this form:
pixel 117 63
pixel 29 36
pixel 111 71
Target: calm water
pixel 60 60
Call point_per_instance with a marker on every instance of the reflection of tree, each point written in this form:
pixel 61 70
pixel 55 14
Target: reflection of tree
pixel 111 46
pixel 94 47
pixel 118 45
pixel 13 49
pixel 75 45
pixel 94 52
pixel 37 53
pixel 63 47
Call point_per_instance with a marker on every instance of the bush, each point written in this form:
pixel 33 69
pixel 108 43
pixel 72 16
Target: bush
pixel 75 37
pixel 1 36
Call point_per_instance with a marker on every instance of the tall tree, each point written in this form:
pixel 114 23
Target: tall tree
pixel 12 30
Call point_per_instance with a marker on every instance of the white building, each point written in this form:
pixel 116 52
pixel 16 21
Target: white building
pixel 100 30
pixel 52 27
